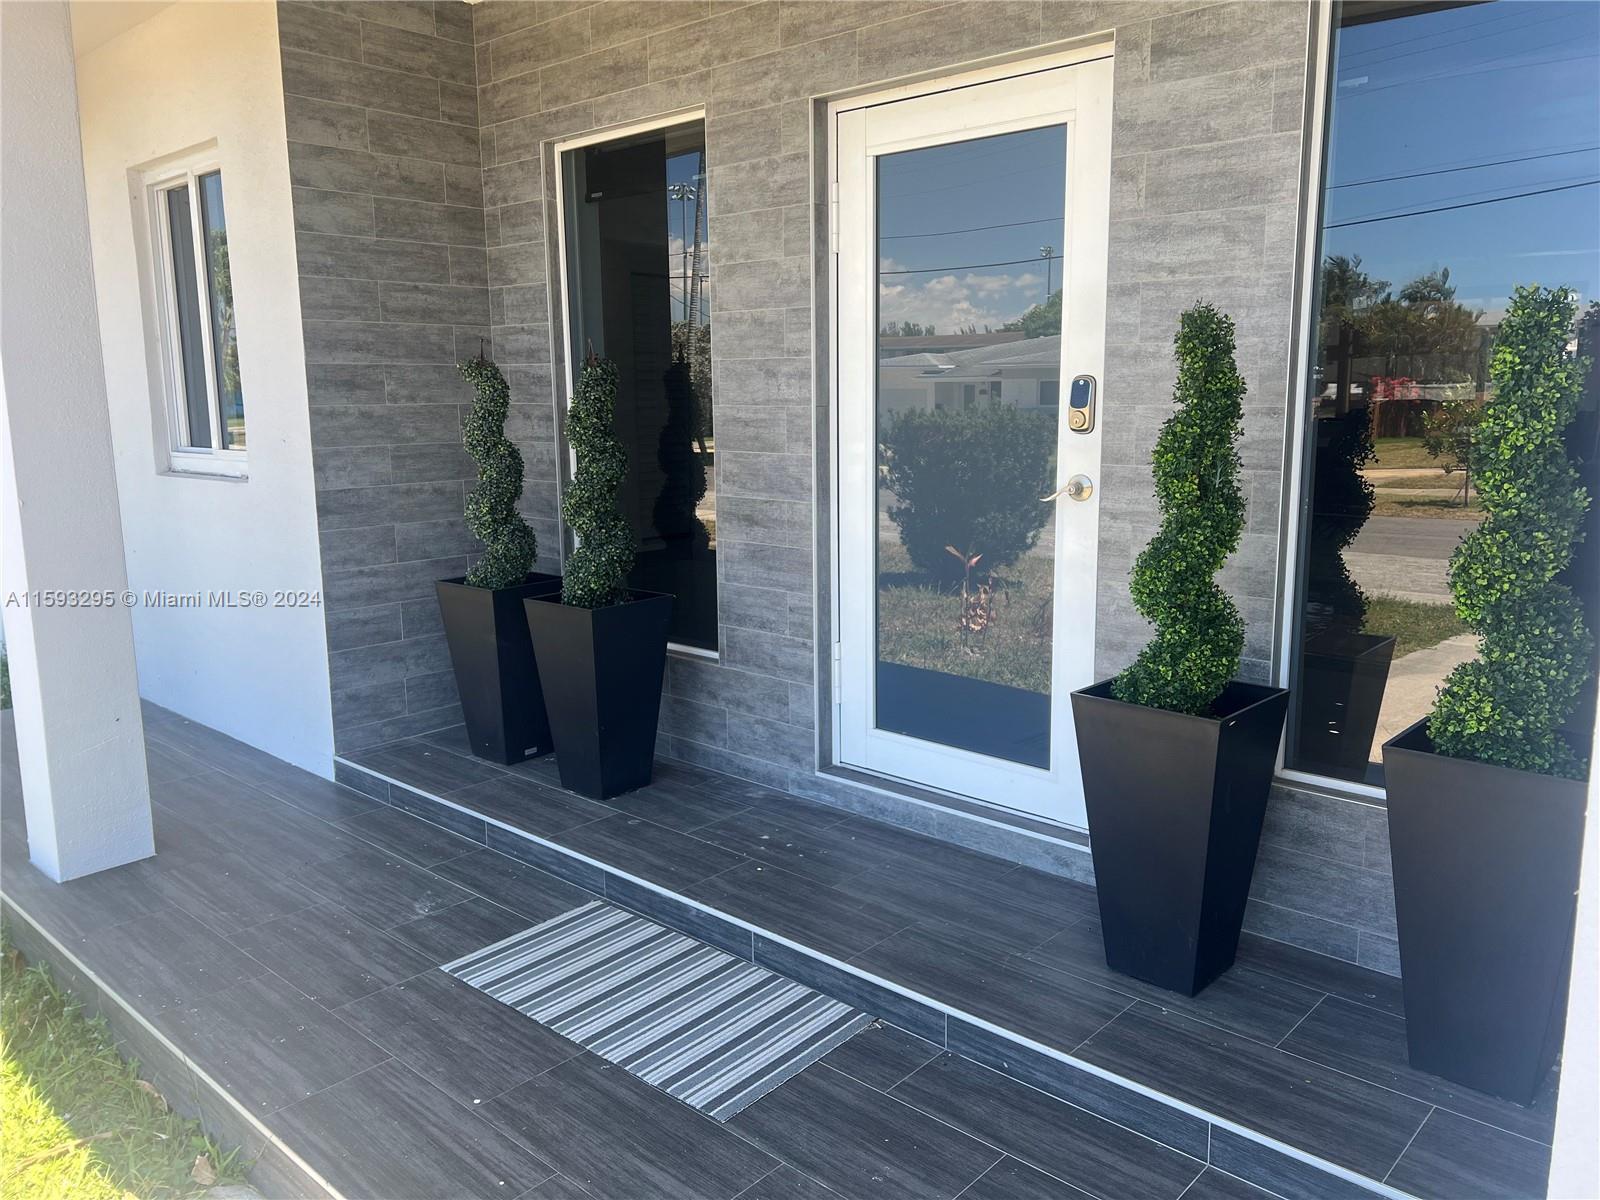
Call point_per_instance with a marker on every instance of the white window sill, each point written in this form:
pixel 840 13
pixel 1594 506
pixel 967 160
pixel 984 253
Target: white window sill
pixel 226 470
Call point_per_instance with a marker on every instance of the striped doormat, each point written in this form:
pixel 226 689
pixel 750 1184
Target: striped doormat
pixel 711 1029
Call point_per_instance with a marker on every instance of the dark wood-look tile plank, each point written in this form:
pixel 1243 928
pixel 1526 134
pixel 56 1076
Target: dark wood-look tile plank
pixel 410 837
pixel 880 1056
pixel 1248 1001
pixel 163 764
pixel 649 851
pixel 1372 1046
pixel 1276 1172
pixel 425 766
pixel 616 1136
pixel 679 797
pixel 270 1045
pixel 438 812
pixel 452 932
pixel 535 894
pixel 81 907
pixel 913 1015
pixel 221 811
pixel 225 888
pixel 389 1132
pixel 1049 1006
pixel 1324 1112
pixel 382 889
pixel 859 1141
pixel 795 907
pixel 785 1183
pixel 462 1041
pixel 1218 1185
pixel 529 805
pixel 331 955
pixel 829 855
pixel 1453 1157
pixel 166 960
pixel 1067 1142
pixel 1323 974
pixel 1009 1179
pixel 980 902
pixel 558 1187
pixel 701 924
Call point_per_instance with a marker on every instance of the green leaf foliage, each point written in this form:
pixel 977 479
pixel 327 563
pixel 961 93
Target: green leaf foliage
pixel 971 479
pixel 1199 633
pixel 509 544
pixel 597 570
pixel 1508 706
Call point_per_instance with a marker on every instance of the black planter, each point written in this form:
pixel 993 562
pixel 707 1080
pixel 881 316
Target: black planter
pixel 1175 809
pixel 495 672
pixel 601 669
pixel 1485 879
pixel 1341 691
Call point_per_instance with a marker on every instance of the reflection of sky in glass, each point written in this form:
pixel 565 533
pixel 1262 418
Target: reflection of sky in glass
pixel 961 228
pixel 1461 106
pixel 686 216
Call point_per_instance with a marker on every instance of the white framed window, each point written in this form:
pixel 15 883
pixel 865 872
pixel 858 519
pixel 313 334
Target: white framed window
pixel 191 293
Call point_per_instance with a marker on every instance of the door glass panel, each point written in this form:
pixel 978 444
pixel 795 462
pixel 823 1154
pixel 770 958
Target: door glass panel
pixel 969 262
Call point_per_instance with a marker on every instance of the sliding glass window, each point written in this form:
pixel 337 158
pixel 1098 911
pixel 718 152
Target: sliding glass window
pixel 638 294
pixel 1462 160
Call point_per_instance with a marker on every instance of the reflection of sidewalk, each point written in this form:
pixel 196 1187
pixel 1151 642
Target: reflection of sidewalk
pixel 1414 681
pixel 1426 580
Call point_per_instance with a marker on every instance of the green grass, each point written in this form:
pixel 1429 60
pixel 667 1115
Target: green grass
pixel 1401 452
pixel 1414 625
pixel 918 624
pixel 1439 507
pixel 76 1122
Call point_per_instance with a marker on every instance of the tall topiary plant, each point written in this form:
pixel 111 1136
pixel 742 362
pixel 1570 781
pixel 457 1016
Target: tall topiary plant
pixel 597 570
pixel 510 546
pixel 1507 706
pixel 1199 633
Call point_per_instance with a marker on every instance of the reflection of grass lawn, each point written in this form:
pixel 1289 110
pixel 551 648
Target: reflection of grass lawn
pixel 1401 452
pixel 1427 506
pixel 76 1122
pixel 1432 481
pixel 917 624
pixel 1413 624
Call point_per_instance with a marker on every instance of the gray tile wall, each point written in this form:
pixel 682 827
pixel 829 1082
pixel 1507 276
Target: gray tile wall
pixel 382 108
pixel 410 253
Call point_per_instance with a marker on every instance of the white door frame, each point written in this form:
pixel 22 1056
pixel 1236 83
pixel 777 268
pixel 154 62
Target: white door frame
pixel 1080 99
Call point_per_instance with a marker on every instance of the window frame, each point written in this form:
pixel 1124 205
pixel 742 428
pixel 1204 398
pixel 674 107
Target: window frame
pixel 561 329
pixel 181 458
pixel 1294 506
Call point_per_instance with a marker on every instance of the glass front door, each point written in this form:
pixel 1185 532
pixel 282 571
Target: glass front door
pixel 972 230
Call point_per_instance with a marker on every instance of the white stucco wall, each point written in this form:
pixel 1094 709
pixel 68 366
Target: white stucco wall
pixel 192 74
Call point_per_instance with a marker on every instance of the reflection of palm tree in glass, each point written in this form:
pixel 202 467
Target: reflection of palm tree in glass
pixel 226 348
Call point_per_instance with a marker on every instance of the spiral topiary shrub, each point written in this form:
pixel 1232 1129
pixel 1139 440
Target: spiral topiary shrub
pixel 1508 705
pixel 509 544
pixel 1199 634
pixel 597 570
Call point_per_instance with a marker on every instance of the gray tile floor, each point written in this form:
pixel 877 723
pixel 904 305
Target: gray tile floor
pixel 287 932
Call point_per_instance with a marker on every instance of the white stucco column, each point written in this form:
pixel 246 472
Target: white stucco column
pixel 75 690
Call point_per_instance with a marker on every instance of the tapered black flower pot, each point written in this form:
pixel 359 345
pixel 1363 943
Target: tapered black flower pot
pixel 1340 695
pixel 496 676
pixel 1175 809
pixel 1485 865
pixel 601 669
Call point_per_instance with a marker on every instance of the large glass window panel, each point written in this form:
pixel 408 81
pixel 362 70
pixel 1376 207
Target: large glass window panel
pixel 640 295
pixel 969 250
pixel 1462 160
pixel 186 297
pixel 224 337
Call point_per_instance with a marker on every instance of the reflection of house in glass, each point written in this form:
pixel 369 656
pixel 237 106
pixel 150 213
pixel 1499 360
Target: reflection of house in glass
pixel 965 370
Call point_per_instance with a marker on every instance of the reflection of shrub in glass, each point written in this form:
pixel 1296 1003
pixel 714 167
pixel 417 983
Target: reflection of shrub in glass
pixel 1335 603
pixel 971 479
pixel 683 472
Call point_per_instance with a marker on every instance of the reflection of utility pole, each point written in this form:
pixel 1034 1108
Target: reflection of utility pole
pixel 1047 253
pixel 683 193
